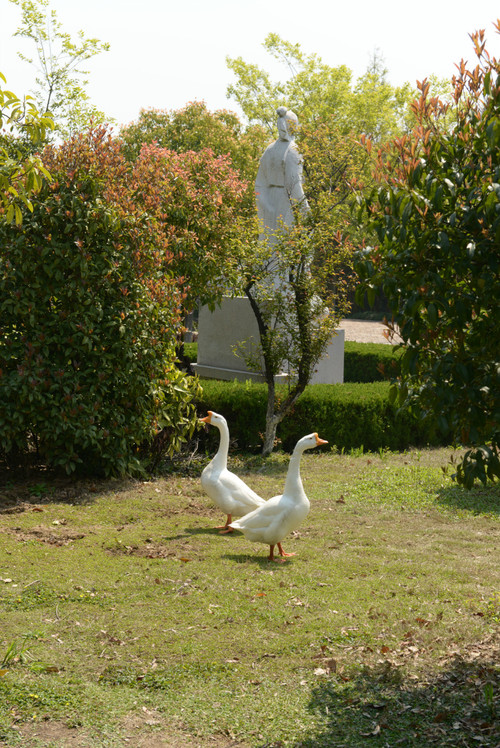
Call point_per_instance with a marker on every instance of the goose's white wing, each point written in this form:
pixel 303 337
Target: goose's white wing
pixel 229 492
pixel 268 523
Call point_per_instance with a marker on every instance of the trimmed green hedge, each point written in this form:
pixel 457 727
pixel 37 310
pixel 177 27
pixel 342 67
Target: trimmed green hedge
pixel 349 416
pixel 369 362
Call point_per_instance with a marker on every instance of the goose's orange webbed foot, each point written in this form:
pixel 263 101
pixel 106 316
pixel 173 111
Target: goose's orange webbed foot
pixel 282 556
pixel 224 529
pixel 282 552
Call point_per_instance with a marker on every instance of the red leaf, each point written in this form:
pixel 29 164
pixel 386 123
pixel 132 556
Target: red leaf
pixel 422 622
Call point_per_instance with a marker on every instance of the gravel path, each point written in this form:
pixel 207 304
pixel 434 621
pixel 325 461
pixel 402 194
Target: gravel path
pixel 362 331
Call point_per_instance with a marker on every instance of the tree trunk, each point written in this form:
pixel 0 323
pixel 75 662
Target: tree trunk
pixel 273 417
pixel 271 420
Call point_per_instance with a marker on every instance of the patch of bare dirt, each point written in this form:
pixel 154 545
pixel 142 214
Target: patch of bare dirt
pixel 155 550
pixel 61 536
pixel 142 729
pixel 53 733
pixel 19 494
pixel 147 729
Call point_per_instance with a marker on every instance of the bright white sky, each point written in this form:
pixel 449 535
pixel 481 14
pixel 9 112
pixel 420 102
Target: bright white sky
pixel 165 53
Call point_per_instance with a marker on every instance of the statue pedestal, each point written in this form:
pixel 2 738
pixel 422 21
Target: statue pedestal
pixel 233 324
pixel 330 368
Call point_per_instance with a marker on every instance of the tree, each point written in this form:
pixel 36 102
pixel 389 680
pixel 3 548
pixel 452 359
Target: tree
pixel 318 92
pixel 378 109
pixel 436 218
pixel 21 173
pixel 89 309
pixel 60 81
pixel 327 98
pixel 331 107
pixel 297 322
pixel 198 198
pixel 195 128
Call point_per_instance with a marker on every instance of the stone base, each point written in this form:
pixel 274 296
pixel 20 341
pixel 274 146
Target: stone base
pixel 330 368
pixel 233 324
pixel 217 372
pixel 219 332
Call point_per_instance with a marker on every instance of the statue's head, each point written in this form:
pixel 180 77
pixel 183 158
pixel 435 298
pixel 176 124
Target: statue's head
pixel 288 123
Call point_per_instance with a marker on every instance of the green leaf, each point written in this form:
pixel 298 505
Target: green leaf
pixel 432 314
pixel 443 424
pixel 371 293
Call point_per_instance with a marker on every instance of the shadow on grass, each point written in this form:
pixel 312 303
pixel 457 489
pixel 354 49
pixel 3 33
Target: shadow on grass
pixel 18 492
pixel 193 531
pixel 260 560
pixel 460 707
pixel 478 500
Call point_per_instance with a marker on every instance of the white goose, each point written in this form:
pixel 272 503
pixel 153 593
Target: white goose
pixel 230 493
pixel 280 515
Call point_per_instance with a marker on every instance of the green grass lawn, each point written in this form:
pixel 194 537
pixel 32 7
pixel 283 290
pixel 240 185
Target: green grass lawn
pixel 127 620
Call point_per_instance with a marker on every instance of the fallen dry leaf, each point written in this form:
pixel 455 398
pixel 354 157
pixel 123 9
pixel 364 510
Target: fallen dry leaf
pixel 375 731
pixel 422 622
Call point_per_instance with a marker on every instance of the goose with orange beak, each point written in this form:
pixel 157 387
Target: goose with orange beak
pixel 282 514
pixel 227 491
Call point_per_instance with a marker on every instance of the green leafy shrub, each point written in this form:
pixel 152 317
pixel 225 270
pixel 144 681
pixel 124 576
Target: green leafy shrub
pixel 243 405
pixel 354 415
pixel 369 362
pixel 349 416
pixel 199 199
pixel 88 314
pixel 435 217
pixel 191 351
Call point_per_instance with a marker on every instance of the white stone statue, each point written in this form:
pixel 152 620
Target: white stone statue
pixel 279 179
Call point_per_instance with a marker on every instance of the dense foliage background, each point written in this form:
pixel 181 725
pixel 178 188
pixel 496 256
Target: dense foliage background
pixel 88 316
pixel 435 216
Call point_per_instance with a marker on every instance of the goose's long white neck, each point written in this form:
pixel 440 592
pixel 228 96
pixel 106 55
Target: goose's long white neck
pixel 221 457
pixel 293 480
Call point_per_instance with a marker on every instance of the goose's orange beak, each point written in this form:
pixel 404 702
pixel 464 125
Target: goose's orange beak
pixel 320 441
pixel 208 418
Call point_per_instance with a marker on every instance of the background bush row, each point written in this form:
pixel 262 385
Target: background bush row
pixel 369 362
pixel 349 416
pixel 357 414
